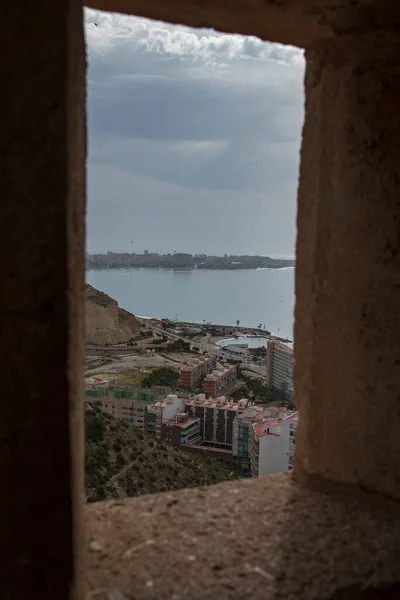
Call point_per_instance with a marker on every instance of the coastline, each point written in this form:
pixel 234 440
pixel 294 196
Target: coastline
pixel 204 296
pixel 241 332
pixel 119 268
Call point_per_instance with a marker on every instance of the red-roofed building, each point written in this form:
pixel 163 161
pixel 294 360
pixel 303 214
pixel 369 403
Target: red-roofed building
pixel 181 430
pixel 192 373
pixel 219 381
pixel 273 444
pixel 216 416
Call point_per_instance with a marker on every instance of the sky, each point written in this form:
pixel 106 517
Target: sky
pixel 193 139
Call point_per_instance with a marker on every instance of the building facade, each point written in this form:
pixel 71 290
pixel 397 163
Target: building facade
pixel 181 430
pixel 216 418
pixel 273 444
pixel 242 440
pixel 162 411
pixel 193 373
pixel 127 403
pixel 260 441
pixel 219 381
pixel 279 367
pixel 289 425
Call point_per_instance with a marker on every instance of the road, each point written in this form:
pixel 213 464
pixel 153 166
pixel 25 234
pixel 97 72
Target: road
pixel 205 345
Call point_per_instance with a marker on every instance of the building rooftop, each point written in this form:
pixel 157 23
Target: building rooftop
pixel 252 413
pixel 194 362
pixel 182 423
pixel 282 347
pixel 261 429
pixel 217 373
pixel 293 416
pixel 220 402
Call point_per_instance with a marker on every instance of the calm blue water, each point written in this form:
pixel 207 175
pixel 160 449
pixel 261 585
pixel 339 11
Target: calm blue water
pixel 263 296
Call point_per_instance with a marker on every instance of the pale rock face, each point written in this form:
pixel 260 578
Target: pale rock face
pixel 106 323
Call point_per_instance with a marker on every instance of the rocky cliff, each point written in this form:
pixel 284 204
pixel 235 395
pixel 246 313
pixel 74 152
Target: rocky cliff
pixel 106 323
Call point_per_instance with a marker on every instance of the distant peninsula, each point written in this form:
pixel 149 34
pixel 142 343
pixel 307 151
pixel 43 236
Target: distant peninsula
pixel 181 260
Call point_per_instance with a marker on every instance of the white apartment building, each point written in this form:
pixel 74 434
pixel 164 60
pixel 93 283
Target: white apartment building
pixel 273 444
pixel 288 430
pixel 161 411
pixel 279 366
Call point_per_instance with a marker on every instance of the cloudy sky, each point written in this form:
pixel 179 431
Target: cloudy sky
pixel 193 139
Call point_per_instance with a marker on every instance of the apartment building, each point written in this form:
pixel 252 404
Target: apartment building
pixel 162 411
pixel 192 373
pixel 289 425
pixel 216 418
pixel 181 430
pixel 242 440
pixel 273 444
pixel 128 403
pixel 279 366
pixel 219 381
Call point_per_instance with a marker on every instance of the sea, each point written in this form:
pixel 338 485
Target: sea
pixel 253 296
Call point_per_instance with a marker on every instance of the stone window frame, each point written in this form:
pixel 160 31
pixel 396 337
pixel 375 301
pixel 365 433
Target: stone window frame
pixel 346 374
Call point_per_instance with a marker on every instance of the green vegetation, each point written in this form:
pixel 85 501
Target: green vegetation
pixel 258 353
pixel 145 334
pixel 233 361
pixel 162 376
pixel 94 430
pixel 142 335
pixel 121 461
pixel 176 346
pixel 255 389
pixel 95 363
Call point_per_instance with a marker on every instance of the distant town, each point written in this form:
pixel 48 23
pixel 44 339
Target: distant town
pixel 181 260
pixel 213 408
pixel 171 404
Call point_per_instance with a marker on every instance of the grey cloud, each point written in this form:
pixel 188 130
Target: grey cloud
pixel 115 31
pixel 191 126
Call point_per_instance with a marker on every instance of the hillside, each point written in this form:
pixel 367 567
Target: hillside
pixel 106 323
pixel 123 461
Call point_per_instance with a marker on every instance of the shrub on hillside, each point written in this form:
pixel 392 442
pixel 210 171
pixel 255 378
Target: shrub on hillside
pixel 94 428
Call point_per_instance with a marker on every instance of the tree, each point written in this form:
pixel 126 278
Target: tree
pixel 237 323
pixel 94 428
pixel 162 376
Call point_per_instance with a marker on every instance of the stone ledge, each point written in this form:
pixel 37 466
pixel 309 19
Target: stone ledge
pixel 283 21
pixel 263 539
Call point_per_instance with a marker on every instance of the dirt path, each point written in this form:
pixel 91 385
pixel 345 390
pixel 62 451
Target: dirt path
pixel 124 367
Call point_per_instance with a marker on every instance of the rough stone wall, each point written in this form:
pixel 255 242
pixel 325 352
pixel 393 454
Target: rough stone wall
pixel 106 323
pixel 42 190
pixel 286 21
pixel 347 283
pixel 347 329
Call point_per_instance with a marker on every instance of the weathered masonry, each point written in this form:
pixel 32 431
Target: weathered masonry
pixel 331 529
